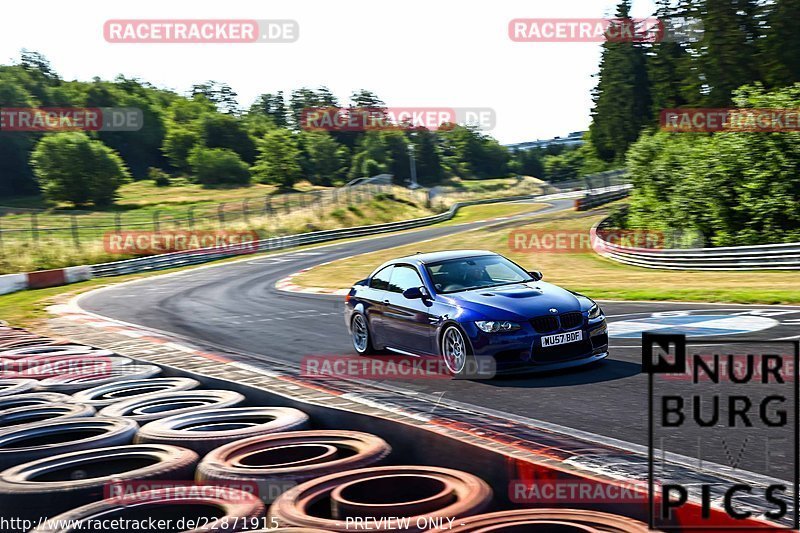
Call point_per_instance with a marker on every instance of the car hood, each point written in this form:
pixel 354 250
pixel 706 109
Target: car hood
pixel 525 300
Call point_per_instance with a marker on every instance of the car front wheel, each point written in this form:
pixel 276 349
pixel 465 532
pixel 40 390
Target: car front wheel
pixel 454 351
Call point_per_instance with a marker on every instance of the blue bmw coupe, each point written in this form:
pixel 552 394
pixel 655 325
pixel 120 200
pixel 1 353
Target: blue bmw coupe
pixel 465 305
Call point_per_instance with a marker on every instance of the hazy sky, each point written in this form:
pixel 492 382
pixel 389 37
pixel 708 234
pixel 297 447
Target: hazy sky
pixel 425 53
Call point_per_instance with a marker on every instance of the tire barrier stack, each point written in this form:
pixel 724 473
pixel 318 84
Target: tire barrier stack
pixel 128 444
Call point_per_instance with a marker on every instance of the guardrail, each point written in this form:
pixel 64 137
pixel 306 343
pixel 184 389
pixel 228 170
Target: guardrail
pixel 596 199
pixel 758 257
pixel 190 257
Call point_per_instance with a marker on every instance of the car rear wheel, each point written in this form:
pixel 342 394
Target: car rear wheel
pixel 362 341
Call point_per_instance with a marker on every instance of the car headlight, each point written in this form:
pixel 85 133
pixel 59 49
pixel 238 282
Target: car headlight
pixel 595 311
pixel 494 326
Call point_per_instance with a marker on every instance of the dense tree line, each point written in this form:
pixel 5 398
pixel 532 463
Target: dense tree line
pixel 206 137
pixel 730 187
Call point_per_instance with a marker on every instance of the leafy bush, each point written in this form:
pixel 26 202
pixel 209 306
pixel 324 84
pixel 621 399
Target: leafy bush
pixel 736 188
pixel 161 178
pixel 218 166
pixel 71 167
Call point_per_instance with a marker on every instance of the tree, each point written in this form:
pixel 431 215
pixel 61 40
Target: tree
pixel 71 167
pixel 220 94
pixel 218 166
pixel 278 160
pixel 303 99
pixel 528 163
pixel 327 159
pixel 621 97
pixel 728 49
pixel 426 154
pixel 183 131
pixel 780 51
pixel 272 106
pixel 226 131
pixel 470 154
pixel 372 156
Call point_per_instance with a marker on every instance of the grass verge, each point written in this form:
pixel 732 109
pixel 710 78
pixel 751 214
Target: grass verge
pixel 28 308
pixel 582 271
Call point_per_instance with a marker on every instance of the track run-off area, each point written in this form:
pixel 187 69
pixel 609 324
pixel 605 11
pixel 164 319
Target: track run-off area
pixel 236 309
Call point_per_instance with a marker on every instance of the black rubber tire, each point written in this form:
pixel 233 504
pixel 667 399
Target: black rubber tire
pixel 239 511
pixel 157 406
pixel 129 389
pixel 45 439
pixel 9 387
pixel 79 478
pixel 39 413
pixel 474 369
pixel 202 431
pixel 280 461
pixel 370 348
pixel 32 398
pixel 74 383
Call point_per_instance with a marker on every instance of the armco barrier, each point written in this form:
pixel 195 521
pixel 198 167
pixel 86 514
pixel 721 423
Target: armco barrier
pixel 760 257
pixel 593 200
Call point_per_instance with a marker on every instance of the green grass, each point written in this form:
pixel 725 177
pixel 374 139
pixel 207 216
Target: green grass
pixel 583 271
pixel 474 213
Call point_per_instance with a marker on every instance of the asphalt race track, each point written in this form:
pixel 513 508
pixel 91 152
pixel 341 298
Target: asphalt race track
pixel 236 307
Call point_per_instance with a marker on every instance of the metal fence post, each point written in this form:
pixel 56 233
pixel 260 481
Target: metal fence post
pixel 244 211
pixel 190 217
pixel 118 223
pixel 221 214
pixel 156 222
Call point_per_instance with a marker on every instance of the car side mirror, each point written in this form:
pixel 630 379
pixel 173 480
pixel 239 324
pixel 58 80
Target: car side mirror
pixel 536 275
pixel 416 293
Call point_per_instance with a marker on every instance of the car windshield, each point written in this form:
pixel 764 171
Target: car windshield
pixel 466 273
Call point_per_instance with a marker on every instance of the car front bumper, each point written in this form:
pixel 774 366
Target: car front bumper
pixel 521 351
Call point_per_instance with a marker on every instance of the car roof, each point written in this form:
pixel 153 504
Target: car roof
pixel 433 257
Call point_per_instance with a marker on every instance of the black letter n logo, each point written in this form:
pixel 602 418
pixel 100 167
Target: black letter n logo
pixel 663 354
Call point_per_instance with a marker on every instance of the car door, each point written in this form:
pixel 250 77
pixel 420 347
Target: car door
pixel 407 321
pixel 374 298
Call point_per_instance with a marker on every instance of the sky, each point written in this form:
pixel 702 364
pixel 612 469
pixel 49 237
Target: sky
pixel 411 53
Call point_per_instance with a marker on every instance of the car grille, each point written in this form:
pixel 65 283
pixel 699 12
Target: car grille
pixel 546 324
pixel 571 320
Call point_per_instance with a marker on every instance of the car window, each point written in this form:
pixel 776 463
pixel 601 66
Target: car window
pixel 404 277
pixel 380 280
pixel 468 273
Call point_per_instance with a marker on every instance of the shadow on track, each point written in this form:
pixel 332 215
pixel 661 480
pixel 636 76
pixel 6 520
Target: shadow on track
pixel 606 370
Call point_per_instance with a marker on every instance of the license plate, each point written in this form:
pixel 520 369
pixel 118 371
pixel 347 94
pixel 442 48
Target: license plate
pixel 562 338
